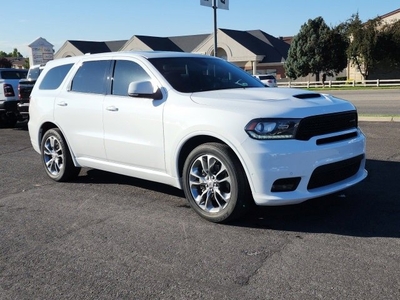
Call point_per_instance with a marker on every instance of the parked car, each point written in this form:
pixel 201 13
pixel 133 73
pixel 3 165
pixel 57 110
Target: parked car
pixel 268 79
pixel 197 123
pixel 9 79
pixel 25 87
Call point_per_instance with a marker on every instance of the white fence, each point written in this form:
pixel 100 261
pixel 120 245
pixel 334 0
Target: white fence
pixel 341 83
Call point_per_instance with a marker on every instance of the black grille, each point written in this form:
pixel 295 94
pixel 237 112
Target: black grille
pixel 324 124
pixel 332 173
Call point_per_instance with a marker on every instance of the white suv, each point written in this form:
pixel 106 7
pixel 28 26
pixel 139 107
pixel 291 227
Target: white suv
pixel 197 123
pixel 268 79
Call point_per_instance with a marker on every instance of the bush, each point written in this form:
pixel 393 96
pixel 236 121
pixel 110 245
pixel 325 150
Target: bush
pixel 5 63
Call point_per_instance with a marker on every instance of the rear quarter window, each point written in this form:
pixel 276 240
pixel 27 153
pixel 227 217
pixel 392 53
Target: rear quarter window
pixel 54 77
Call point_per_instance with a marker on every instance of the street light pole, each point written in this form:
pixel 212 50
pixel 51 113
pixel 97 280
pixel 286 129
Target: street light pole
pixel 214 6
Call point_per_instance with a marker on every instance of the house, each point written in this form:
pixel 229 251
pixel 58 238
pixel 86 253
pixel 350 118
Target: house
pixel 17 63
pixel 254 51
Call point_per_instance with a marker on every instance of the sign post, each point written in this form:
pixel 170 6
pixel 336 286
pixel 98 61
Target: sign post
pixel 222 4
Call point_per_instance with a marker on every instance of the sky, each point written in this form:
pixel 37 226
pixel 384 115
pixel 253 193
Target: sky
pixel 103 20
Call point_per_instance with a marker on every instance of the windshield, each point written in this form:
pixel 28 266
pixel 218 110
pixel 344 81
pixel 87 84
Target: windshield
pixel 197 74
pixel 34 73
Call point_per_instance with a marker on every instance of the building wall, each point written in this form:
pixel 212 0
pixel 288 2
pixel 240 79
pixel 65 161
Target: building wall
pixel 391 17
pixel 67 50
pixel 135 44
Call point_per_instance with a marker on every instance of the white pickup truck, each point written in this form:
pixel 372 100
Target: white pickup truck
pixel 9 79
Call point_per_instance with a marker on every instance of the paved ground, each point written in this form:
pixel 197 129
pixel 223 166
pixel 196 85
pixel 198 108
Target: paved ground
pixel 106 236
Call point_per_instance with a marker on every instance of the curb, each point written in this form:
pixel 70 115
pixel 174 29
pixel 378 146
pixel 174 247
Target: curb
pixel 379 119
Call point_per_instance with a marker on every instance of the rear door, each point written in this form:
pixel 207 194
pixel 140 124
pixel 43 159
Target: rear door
pixel 79 112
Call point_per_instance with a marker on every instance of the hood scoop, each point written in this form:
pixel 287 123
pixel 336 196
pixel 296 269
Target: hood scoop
pixel 307 96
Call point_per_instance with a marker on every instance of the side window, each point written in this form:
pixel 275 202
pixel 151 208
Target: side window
pixel 125 72
pixel 55 77
pixel 91 77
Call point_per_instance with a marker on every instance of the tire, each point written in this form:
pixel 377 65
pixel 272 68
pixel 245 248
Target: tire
pixel 8 121
pixel 56 157
pixel 215 184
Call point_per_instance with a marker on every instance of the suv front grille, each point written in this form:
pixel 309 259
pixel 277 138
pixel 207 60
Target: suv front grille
pixel 335 172
pixel 325 124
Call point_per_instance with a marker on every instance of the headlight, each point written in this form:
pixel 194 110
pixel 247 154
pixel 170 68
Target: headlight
pixel 272 129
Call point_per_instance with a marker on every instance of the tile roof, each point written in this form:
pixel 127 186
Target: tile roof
pixel 190 42
pixel 159 43
pixel 97 47
pixel 261 43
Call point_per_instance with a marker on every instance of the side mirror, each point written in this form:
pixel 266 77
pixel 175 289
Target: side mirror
pixel 144 89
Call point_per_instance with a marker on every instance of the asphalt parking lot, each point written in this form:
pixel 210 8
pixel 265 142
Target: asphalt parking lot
pixel 107 236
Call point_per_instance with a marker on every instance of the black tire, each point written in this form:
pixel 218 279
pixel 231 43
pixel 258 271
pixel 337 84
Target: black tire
pixel 56 157
pixel 215 184
pixel 8 121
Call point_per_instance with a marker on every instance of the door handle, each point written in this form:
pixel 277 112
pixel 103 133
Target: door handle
pixel 62 103
pixel 112 108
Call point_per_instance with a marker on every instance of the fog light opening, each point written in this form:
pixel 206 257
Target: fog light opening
pixel 286 184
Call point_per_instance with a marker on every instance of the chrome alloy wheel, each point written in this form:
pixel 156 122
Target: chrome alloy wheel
pixel 210 183
pixel 53 155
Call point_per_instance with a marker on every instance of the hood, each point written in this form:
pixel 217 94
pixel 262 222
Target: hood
pixel 277 101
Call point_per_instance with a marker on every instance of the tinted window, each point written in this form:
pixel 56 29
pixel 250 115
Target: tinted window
pixel 33 73
pixel 13 74
pixel 264 77
pixel 91 77
pixel 54 77
pixel 124 73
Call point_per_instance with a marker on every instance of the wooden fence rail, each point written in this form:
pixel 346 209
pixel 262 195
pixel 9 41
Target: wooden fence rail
pixel 341 83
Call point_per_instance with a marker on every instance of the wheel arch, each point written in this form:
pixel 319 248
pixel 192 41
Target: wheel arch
pixel 50 125
pixel 45 127
pixel 196 141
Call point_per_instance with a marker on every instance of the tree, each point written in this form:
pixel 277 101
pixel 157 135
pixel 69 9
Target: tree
pixel 26 63
pixel 337 44
pixel 5 63
pixel 388 40
pixel 15 53
pixel 363 50
pixel 315 49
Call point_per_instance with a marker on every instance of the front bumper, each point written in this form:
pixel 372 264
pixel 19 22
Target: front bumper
pixel 306 164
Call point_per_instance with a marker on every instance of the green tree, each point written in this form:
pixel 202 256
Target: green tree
pixel 3 54
pixel 363 50
pixel 315 49
pixel 15 53
pixel 5 63
pixel 26 63
pixel 388 40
